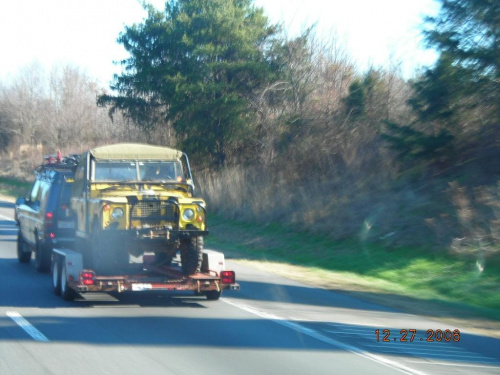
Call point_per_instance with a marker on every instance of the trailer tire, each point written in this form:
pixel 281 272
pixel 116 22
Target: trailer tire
pixel 66 292
pixel 213 295
pixel 42 257
pixel 23 256
pixel 56 275
pixel 191 255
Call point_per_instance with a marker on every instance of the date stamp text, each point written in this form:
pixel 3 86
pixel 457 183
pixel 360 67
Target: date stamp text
pixel 410 335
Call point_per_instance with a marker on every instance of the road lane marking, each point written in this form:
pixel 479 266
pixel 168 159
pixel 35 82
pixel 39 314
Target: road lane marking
pixel 26 326
pixel 450 364
pixel 7 218
pixel 315 334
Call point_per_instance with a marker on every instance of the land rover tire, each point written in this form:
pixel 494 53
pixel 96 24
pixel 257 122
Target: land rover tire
pixel 191 255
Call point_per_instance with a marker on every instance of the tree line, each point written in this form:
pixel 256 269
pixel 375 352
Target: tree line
pixel 294 117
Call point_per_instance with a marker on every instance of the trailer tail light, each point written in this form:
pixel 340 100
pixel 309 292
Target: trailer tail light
pixel 87 277
pixel 228 277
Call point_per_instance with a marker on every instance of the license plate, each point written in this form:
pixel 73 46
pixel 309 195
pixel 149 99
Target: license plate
pixel 66 224
pixel 141 287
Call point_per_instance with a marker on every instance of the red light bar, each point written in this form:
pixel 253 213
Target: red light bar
pixel 227 277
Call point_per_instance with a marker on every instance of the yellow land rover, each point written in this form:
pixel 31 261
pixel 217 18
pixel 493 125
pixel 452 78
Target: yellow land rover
pixel 131 199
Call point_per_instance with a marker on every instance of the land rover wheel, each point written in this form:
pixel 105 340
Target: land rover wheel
pixel 23 251
pixel 42 257
pixel 191 255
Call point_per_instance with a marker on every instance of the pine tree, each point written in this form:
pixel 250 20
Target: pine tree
pixel 196 64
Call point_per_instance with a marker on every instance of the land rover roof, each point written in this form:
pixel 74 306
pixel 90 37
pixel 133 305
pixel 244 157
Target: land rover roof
pixel 135 151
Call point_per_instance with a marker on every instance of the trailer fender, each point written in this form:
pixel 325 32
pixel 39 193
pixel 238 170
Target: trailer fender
pixel 73 261
pixel 213 261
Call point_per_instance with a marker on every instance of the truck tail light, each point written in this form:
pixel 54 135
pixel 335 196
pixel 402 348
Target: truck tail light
pixel 87 277
pixel 228 277
pixel 49 217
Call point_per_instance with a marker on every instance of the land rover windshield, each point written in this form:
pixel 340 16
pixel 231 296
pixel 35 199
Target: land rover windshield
pixel 151 171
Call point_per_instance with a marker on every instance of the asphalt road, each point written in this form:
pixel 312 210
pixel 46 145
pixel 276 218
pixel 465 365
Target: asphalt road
pixel 272 326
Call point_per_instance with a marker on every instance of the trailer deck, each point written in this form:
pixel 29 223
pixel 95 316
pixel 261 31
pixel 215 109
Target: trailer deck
pixel 69 277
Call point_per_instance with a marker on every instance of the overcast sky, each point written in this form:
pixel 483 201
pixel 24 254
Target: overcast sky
pixel 84 33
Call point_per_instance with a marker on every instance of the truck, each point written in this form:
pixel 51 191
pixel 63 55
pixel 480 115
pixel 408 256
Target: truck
pixel 135 211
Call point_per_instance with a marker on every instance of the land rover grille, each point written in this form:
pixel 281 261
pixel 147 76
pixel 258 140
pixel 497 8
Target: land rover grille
pixel 154 212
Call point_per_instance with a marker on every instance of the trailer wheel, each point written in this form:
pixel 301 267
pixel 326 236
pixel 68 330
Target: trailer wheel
pixel 56 275
pixel 66 292
pixel 191 255
pixel 213 295
pixel 23 256
pixel 42 257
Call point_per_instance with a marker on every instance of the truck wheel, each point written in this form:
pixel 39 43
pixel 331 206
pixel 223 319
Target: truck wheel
pixel 23 252
pixel 191 255
pixel 56 275
pixel 42 258
pixel 213 295
pixel 66 292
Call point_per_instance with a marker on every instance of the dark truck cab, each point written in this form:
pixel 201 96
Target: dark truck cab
pixel 44 216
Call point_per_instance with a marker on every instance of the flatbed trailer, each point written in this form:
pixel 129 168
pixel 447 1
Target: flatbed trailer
pixel 69 277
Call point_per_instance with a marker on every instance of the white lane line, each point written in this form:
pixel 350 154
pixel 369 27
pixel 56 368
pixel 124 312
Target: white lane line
pixel 312 333
pixel 6 218
pixel 451 364
pixel 24 324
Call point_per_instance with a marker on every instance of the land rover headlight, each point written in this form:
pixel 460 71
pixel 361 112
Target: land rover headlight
pixel 188 214
pixel 117 213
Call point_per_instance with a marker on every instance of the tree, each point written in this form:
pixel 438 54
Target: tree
pixel 467 34
pixel 356 100
pixel 196 65
pixel 457 99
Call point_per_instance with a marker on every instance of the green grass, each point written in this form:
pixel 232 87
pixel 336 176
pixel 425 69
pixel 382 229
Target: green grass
pixel 13 188
pixel 411 272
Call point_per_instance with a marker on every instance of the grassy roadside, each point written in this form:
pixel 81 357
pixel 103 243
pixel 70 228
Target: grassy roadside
pixel 439 286
pixel 11 189
pixel 413 280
